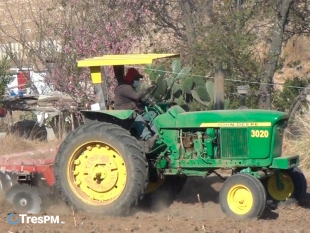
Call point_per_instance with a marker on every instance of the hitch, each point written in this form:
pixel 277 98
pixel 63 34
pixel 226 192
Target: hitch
pixel 24 177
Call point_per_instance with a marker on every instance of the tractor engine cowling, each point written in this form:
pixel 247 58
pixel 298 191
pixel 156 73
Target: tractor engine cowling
pixel 200 143
pixel 233 142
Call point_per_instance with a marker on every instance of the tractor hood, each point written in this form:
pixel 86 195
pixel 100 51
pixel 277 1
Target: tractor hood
pixel 229 118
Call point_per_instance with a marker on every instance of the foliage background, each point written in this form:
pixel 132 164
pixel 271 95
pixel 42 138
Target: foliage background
pixel 237 35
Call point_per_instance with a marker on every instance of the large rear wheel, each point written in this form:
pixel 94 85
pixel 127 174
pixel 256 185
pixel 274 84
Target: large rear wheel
pixel 101 169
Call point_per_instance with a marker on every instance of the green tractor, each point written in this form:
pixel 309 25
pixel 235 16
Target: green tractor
pixel 102 168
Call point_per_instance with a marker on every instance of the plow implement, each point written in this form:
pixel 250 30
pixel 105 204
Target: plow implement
pixel 26 179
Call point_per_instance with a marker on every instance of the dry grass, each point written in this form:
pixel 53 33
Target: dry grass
pixel 298 147
pixel 12 144
pixel 299 144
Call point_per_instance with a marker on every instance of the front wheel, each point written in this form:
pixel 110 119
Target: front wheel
pixel 101 169
pixel 293 185
pixel 243 197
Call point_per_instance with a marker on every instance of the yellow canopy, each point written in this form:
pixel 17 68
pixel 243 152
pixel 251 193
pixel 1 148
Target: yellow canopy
pixel 124 59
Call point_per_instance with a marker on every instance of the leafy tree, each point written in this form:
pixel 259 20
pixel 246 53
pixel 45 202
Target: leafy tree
pixel 5 76
pixel 230 42
pixel 280 21
pixel 233 34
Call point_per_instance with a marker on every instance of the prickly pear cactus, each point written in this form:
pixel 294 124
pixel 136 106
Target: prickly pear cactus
pixel 203 94
pixel 154 73
pixel 183 89
pixel 188 85
pixel 199 82
pixel 172 85
pixel 176 90
pixel 197 98
pixel 210 90
pixel 176 66
pixel 161 71
pixel 180 101
pixel 201 89
pixel 161 87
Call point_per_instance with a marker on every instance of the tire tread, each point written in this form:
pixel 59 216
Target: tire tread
pixel 134 153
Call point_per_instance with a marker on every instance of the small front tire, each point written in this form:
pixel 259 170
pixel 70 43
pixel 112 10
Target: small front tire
pixel 294 186
pixel 243 197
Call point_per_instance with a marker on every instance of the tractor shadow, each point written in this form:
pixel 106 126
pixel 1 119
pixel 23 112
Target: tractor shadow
pixel 196 190
pixel 199 190
pixel 291 204
pixel 306 202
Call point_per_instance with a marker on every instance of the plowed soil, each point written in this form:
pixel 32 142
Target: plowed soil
pixel 186 214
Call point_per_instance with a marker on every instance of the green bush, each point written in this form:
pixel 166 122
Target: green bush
pixel 5 76
pixel 282 100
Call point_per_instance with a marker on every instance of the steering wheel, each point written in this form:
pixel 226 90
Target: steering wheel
pixel 148 93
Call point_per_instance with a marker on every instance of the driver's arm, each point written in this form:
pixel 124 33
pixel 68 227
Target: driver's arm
pixel 130 93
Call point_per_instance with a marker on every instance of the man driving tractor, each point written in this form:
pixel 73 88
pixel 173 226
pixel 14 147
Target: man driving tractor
pixel 126 98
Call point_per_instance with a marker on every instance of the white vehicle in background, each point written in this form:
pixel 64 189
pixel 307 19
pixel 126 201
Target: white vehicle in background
pixel 20 82
pixel 42 98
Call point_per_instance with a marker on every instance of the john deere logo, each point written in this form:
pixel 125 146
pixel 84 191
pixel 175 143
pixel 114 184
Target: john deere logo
pixel 236 124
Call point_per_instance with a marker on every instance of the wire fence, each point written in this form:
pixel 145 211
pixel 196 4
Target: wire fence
pixel 226 79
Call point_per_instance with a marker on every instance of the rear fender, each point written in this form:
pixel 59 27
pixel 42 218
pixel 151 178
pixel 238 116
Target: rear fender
pixel 123 118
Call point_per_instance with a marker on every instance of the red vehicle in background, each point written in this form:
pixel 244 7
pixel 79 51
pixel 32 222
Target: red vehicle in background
pixel 3 112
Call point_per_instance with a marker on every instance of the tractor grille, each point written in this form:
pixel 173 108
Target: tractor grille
pixel 234 143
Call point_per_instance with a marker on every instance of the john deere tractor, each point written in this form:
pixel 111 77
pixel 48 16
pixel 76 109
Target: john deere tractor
pixel 102 167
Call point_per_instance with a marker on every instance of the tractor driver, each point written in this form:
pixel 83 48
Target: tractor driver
pixel 126 98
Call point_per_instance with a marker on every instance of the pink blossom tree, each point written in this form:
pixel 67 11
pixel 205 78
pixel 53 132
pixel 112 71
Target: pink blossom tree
pixel 91 28
pixel 71 30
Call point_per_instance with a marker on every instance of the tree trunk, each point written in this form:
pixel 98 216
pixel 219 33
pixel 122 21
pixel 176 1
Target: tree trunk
pixel 274 52
pixel 190 30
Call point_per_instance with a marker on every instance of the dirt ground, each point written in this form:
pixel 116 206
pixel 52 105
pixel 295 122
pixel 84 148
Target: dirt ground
pixel 186 214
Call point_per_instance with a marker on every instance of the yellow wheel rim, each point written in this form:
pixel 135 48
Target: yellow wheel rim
pixel 240 199
pixel 280 194
pixel 97 173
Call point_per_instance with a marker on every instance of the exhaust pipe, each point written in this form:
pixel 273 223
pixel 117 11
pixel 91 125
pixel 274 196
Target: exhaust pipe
pixel 219 89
